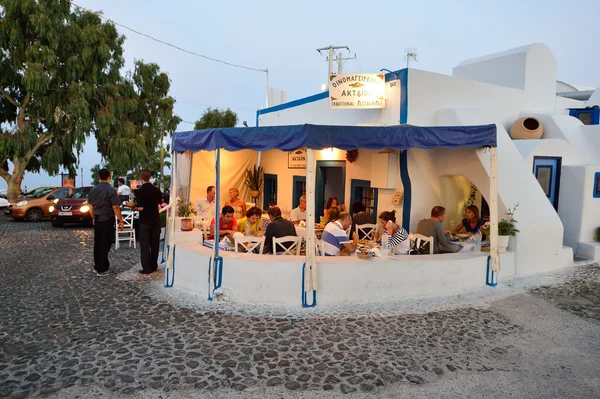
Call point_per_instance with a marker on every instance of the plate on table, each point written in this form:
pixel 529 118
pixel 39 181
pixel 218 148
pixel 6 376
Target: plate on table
pixel 462 235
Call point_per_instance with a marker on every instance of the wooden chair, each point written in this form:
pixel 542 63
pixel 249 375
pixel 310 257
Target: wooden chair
pixel 250 244
pixel 296 245
pixel 413 237
pixel 367 230
pixel 128 232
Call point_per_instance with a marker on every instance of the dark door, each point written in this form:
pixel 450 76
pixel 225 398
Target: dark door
pixel 362 190
pixel 331 181
pixel 270 187
pixel 547 173
pixel 298 190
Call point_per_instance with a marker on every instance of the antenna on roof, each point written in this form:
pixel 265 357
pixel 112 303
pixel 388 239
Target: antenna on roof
pixel 410 52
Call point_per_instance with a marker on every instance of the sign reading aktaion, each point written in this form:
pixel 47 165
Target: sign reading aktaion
pixel 352 91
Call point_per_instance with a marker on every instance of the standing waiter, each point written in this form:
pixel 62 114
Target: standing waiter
pixel 104 204
pixel 148 200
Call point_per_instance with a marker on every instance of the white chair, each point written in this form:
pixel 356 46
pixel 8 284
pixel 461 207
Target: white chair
pixel 319 247
pixel 128 232
pixel 413 237
pixel 368 230
pixel 250 244
pixel 296 244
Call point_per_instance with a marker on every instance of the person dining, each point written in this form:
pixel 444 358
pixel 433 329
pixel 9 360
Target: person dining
pixel 432 227
pixel 236 203
pixel 335 240
pixel 298 214
pixel 332 202
pixel 360 216
pixel 332 215
pixel 277 228
pixel 471 223
pixel 227 223
pixel 252 221
pixel 205 206
pixel 397 235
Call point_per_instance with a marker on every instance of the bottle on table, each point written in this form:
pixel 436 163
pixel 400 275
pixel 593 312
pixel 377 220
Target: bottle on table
pixel 247 229
pixel 477 247
pixel 384 245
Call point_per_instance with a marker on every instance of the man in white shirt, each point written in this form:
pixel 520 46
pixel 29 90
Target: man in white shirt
pixel 299 214
pixel 335 239
pixel 123 189
pixel 206 205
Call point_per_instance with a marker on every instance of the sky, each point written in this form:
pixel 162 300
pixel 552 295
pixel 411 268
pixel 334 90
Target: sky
pixel 284 36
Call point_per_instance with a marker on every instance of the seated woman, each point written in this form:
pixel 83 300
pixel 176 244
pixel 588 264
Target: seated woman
pixel 471 223
pixel 360 216
pixel 236 203
pixel 332 202
pixel 332 215
pixel 252 220
pixel 397 236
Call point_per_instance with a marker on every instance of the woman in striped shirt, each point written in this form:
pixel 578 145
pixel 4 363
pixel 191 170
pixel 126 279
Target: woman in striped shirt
pixel 396 234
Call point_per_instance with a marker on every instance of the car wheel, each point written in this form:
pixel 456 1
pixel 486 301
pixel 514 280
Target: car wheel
pixel 56 224
pixel 34 215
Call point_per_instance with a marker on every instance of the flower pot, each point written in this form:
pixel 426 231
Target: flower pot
pixel 528 128
pixel 502 243
pixel 186 224
pixel 254 193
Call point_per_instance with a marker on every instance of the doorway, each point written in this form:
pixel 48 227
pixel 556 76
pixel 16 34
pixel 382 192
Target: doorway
pixel 362 190
pixel 270 193
pixel 547 172
pixel 298 190
pixel 331 181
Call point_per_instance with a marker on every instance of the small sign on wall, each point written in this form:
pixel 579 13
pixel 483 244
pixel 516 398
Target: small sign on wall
pixel 398 195
pixel 297 159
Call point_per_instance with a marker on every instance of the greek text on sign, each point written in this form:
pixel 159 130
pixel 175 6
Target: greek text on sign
pixel 351 91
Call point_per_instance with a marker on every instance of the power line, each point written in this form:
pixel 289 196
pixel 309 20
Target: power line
pixel 240 107
pixel 165 43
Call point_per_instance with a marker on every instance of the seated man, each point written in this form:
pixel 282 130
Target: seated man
pixel 299 214
pixel 205 206
pixel 277 228
pixel 227 223
pixel 335 240
pixel 432 227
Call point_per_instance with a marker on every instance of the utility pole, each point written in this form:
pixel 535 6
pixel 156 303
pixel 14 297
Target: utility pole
pixel 341 59
pixel 331 52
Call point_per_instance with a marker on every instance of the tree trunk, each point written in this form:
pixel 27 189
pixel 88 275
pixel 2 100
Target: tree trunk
pixel 15 179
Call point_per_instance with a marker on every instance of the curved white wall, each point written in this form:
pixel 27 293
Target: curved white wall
pixel 548 148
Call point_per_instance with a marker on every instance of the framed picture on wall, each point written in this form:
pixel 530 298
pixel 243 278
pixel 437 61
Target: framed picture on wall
pixel 297 159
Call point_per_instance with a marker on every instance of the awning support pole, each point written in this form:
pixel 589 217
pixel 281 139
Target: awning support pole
pixel 170 265
pixel 309 269
pixel 495 257
pixel 215 263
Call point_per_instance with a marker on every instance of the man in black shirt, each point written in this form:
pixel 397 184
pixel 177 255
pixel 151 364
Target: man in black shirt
pixel 148 202
pixel 279 227
pixel 104 205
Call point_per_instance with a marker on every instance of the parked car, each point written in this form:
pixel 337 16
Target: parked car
pixel 3 202
pixel 36 204
pixel 73 209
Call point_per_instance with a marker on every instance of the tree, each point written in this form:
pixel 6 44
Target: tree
pixel 60 82
pixel 213 118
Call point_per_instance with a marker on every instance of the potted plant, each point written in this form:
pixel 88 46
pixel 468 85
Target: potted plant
pixel 184 211
pixel 506 229
pixel 254 179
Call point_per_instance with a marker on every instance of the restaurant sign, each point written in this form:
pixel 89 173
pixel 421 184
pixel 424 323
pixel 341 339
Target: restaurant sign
pixel 297 159
pixel 357 91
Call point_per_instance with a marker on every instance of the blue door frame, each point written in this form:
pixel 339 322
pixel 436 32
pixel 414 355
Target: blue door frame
pixel 296 191
pixel 269 183
pixel 320 204
pixel 547 171
pixel 356 186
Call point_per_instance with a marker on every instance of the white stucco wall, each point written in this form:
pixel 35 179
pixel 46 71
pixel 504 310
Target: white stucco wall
pixel 531 69
pixel 276 280
pixel 539 245
pixel 548 148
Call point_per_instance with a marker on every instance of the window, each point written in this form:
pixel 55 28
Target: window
pixel 270 193
pixel 597 185
pixel 367 197
pixel 587 116
pixel 61 194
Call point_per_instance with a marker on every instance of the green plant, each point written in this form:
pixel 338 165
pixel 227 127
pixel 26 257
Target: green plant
pixel 185 209
pixel 254 178
pixel 506 227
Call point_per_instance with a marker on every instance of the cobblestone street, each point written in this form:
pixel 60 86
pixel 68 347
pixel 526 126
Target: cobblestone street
pixel 65 332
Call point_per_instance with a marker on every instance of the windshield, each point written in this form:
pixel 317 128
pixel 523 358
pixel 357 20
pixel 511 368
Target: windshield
pixel 81 193
pixel 30 193
pixel 39 193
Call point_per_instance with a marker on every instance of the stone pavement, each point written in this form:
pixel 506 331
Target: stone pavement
pixel 64 330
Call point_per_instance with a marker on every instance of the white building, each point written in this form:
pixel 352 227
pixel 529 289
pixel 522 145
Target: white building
pixel 555 180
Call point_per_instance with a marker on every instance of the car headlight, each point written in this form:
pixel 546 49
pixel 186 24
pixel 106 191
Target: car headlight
pixel 51 209
pixel 56 200
pixel 84 208
pixel 22 203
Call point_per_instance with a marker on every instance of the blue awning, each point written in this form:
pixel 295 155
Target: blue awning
pixel 288 138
